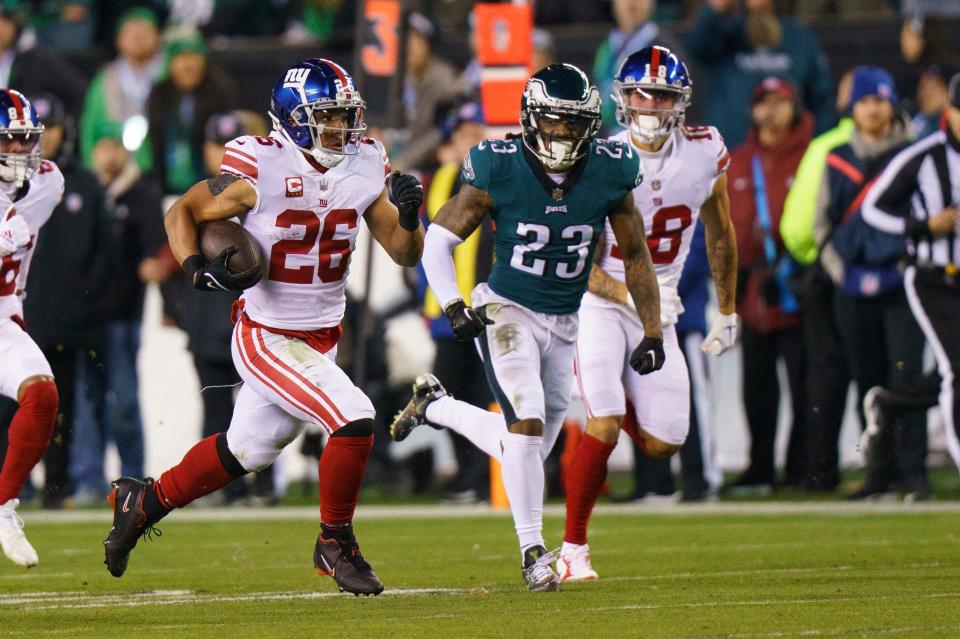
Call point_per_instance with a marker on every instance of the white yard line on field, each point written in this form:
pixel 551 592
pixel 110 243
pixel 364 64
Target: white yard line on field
pixel 74 599
pixel 774 602
pixel 827 632
pixel 555 510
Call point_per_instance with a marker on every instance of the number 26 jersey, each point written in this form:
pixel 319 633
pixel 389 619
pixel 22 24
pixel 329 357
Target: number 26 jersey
pixel 306 220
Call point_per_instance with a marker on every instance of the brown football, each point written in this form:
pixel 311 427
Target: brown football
pixel 220 234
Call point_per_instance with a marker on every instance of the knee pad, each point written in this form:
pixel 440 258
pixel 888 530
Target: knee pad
pixel 357 428
pixel 41 399
pixel 230 462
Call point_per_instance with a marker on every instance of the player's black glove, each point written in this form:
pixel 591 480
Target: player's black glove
pixel 466 322
pixel 406 193
pixel 215 276
pixel 648 356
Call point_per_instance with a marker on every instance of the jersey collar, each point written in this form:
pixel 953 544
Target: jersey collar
pixel 554 190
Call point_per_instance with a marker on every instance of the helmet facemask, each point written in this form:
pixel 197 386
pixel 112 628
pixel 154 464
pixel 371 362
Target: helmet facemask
pixel 18 166
pixel 559 137
pixel 330 142
pixel 651 123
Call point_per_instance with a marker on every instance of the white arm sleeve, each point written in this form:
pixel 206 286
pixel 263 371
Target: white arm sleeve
pixel 437 261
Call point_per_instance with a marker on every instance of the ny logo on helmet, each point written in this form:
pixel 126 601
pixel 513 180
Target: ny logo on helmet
pixel 295 77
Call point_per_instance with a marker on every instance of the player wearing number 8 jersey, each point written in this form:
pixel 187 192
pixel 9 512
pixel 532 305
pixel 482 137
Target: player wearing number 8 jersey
pixel 684 170
pixel 303 190
pixel 549 194
pixel 29 191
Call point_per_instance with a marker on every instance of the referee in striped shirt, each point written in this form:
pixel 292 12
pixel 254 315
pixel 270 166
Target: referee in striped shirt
pixel 917 196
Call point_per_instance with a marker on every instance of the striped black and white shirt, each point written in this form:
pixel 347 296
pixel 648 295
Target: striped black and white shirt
pixel 919 182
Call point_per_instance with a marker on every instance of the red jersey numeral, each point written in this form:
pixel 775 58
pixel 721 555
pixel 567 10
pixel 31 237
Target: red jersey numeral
pixel 267 141
pixel 664 244
pixel 9 269
pixel 334 255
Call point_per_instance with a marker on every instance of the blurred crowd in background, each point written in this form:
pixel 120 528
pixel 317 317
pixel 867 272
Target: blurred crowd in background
pixel 139 97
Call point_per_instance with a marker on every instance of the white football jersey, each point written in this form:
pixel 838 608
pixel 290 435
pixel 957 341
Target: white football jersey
pixel 44 193
pixel 306 221
pixel 677 180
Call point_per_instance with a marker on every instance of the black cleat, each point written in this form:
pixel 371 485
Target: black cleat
pixel 129 521
pixel 426 389
pixel 341 559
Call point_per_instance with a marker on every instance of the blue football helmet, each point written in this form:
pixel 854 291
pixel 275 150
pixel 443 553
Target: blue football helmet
pixel 655 73
pixel 314 99
pixel 20 132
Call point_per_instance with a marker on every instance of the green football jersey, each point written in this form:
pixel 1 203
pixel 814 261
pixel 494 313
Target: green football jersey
pixel 546 233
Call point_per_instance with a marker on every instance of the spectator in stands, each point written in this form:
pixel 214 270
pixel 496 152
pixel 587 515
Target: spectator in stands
pixel 882 341
pixel 932 100
pixel 735 52
pixel 108 405
pixel 456 363
pixel 429 85
pixel 634 29
pixel 118 93
pixel 928 35
pixel 62 25
pixel 178 109
pixel 761 171
pixel 830 376
pixel 68 275
pixel 35 71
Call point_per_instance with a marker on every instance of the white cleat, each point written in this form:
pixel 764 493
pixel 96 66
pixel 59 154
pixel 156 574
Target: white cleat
pixel 574 563
pixel 14 542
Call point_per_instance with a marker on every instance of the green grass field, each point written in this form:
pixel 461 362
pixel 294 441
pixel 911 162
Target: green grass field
pixel 695 574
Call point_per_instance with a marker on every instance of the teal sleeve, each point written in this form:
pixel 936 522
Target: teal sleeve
pixel 633 171
pixel 477 167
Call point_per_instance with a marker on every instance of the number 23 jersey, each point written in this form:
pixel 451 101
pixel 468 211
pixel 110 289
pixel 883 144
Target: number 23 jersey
pixel 544 244
pixel 675 186
pixel 306 220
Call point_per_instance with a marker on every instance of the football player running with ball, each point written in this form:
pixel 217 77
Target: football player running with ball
pixel 304 190
pixel 549 193
pixel 30 188
pixel 684 178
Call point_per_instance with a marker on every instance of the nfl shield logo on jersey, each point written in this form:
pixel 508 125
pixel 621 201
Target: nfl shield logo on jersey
pixel 294 186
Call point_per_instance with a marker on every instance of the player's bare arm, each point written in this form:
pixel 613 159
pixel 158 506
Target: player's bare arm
pixel 721 245
pixel 463 214
pixel 404 246
pixel 627 224
pixel 602 284
pixel 218 198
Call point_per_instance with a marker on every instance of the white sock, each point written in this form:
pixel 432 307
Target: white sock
pixel 483 428
pixel 523 480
